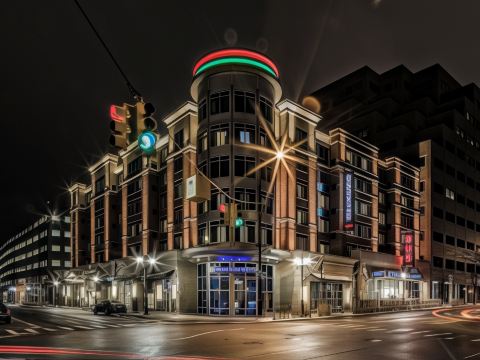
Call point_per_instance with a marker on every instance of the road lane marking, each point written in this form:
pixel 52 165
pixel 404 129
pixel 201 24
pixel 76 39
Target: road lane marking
pixel 376 329
pixel 66 328
pixel 476 340
pixel 26 323
pixel 441 334
pixel 400 330
pixel 470 356
pixel 48 329
pixel 97 326
pixel 420 332
pixel 13 332
pixel 205 333
pixel 110 325
pixel 366 328
pixel 83 327
pixel 33 331
pixel 129 324
pixel 375 340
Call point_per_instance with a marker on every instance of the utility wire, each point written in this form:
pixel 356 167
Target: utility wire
pixel 132 90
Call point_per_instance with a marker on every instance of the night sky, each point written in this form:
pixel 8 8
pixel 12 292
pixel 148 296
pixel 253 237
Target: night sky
pixel 57 82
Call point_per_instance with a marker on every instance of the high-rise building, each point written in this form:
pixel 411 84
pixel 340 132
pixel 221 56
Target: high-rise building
pixel 430 120
pixel 324 218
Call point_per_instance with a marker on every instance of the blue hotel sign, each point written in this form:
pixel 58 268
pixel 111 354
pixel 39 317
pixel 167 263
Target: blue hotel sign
pixel 233 269
pixel 348 201
pixel 396 275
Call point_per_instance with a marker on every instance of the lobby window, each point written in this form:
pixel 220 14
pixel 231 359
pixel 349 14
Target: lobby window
pixel 219 166
pixel 363 208
pixel 243 164
pixel 219 135
pixel 245 134
pixel 449 193
pixel 302 191
pixel 363 231
pixel 244 102
pixel 202 142
pixel 178 140
pixel 219 102
pixel 202 299
pixel 266 109
pixel 302 216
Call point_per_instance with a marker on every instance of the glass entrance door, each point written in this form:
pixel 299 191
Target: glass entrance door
pixel 245 298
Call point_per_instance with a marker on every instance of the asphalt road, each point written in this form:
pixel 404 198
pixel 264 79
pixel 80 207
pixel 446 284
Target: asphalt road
pixel 63 333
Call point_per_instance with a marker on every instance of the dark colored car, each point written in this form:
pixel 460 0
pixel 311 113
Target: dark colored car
pixel 109 307
pixel 5 314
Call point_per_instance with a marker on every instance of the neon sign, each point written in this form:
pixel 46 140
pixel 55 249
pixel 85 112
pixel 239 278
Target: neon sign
pixel 348 201
pixel 408 249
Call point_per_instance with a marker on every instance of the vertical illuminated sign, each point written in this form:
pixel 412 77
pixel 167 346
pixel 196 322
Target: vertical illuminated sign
pixel 408 249
pixel 348 201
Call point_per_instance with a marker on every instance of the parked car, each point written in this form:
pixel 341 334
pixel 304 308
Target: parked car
pixel 109 307
pixel 5 314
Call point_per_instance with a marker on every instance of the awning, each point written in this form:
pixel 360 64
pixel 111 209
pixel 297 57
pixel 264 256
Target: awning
pixel 332 277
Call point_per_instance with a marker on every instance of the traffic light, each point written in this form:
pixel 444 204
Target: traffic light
pixel 239 220
pixel 145 121
pixel 223 209
pixel 147 141
pixel 119 126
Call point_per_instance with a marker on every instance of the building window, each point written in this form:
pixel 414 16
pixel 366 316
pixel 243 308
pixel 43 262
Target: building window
pixel 322 152
pixel 244 102
pixel 56 263
pixel 56 248
pixel 407 221
pixel 438 212
pixel 100 185
pixel 266 109
pixel 245 134
pixel 217 198
pixel 266 234
pixel 202 234
pixel 202 142
pixel 134 166
pixel 219 102
pixel 177 241
pixel 302 191
pixel 202 110
pixel 219 166
pixel 381 238
pixel 323 225
pixel 363 231
pixel 246 198
pixel 178 215
pixel 243 165
pixel 301 136
pixel 450 194
pixel 302 216
pixel 246 233
pixel 406 201
pixel 381 218
pixel 178 140
pixel 363 185
pixel 363 208
pixel 55 232
pixel 358 161
pixel 219 135
pixel 178 190
pixel 178 164
pixel 218 232
pixel 407 182
pixel 381 198
pixel 302 242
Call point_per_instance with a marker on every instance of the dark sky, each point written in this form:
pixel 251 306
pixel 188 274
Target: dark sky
pixel 57 82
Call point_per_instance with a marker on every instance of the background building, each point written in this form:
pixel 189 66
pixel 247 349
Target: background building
pixel 32 260
pixel 430 120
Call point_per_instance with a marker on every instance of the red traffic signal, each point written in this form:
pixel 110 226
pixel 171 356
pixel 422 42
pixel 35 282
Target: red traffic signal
pixel 222 208
pixel 118 113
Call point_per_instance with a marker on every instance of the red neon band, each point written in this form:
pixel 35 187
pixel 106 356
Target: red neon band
pixel 235 52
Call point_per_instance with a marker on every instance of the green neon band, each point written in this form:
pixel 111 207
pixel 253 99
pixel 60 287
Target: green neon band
pixel 235 60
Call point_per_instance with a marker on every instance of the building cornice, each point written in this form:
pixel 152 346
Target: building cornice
pixel 307 115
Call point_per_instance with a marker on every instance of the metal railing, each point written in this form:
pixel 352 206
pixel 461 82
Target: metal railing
pixel 380 305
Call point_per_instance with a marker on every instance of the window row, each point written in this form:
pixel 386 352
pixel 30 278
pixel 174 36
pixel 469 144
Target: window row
pixel 439 213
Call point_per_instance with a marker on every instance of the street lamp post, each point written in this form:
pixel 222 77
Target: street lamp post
pixel 143 261
pixel 95 280
pixel 55 283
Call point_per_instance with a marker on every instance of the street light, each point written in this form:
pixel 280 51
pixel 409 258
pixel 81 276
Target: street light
pixel 143 261
pixel 302 262
pixel 55 283
pixel 95 279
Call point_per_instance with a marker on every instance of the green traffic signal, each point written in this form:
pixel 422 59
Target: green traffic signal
pixel 238 222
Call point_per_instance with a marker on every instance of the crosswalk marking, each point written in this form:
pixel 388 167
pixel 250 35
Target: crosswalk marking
pixel 441 334
pixel 66 328
pixel 33 331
